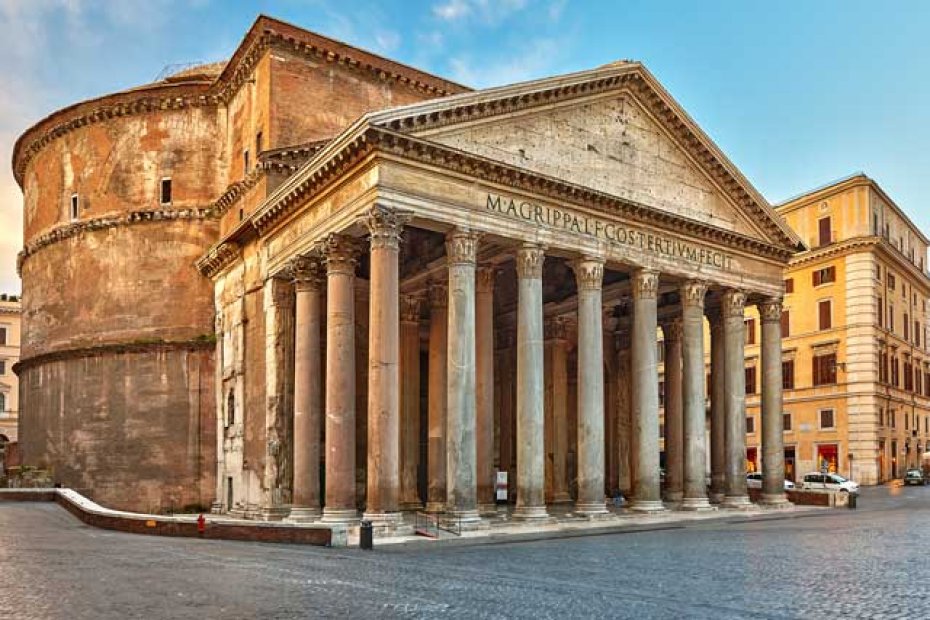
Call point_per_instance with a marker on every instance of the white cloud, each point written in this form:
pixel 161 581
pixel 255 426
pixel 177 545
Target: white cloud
pixel 534 60
pixel 387 40
pixel 490 12
pixel 452 10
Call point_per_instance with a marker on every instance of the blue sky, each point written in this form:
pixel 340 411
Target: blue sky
pixel 796 93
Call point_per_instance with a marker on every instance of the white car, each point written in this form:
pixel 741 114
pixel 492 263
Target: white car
pixel 754 481
pixel 816 481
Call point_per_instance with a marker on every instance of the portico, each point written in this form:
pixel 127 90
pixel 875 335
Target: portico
pixel 566 221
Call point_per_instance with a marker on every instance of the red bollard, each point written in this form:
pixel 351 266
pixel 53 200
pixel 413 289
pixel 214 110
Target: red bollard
pixel 201 525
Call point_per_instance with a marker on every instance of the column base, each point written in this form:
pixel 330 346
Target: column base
pixel 489 510
pixel 778 500
pixel 464 516
pixel 384 519
pixel 647 506
pixel 696 504
pixel 716 497
pixel 412 506
pixel 737 502
pixel 561 498
pixel 530 513
pixel 435 506
pixel 303 514
pixel 217 508
pixel 273 514
pixel 591 510
pixel 674 497
pixel 339 515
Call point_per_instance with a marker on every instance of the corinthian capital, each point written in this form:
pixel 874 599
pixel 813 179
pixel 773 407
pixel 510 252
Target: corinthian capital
pixel 556 328
pixel 733 304
pixel 340 253
pixel 438 295
pixel 485 277
pixel 385 225
pixel 673 330
pixel 770 309
pixel 410 308
pixel 693 293
pixel 308 272
pixel 589 273
pixel 530 259
pixel 645 284
pixel 461 247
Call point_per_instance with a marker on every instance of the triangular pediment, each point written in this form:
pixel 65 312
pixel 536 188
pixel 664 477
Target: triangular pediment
pixel 612 130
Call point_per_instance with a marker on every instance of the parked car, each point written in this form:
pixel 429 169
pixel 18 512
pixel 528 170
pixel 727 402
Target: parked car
pixel 816 481
pixel 914 476
pixel 754 481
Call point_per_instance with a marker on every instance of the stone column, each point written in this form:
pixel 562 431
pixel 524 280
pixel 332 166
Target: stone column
pixel 625 448
pixel 340 254
pixel 555 363
pixel 674 426
pixel 718 420
pixel 507 400
pixel 773 442
pixel 308 389
pixel 589 276
pixel 383 497
pixel 645 393
pixel 531 503
pixel 461 401
pixel 484 386
pixel 409 401
pixel 436 415
pixel 279 314
pixel 734 329
pixel 695 452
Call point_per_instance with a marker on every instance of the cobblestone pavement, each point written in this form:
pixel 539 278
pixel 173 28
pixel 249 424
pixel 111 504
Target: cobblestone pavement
pixel 872 562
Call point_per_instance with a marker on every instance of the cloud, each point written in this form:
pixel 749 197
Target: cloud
pixel 452 10
pixel 387 41
pixel 490 12
pixel 534 59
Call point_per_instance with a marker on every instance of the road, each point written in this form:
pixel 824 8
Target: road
pixel 872 562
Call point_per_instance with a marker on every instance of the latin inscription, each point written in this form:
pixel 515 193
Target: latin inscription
pixel 611 232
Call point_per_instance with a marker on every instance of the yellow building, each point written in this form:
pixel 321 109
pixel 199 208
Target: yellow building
pixel 9 355
pixel 856 358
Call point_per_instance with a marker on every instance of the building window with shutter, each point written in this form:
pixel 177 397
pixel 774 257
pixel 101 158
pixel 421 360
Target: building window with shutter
pixel 907 327
pixel 751 380
pixel 917 333
pixel 750 331
pixel 825 231
pixel 825 314
pixel 827 275
pixel 908 377
pixel 824 369
pixel 787 374
pixel 786 421
pixel 895 372
pixel 74 209
pixel 881 311
pixel 826 419
pixel 891 317
pixel 785 324
pixel 892 283
pixel 750 425
pixel 789 285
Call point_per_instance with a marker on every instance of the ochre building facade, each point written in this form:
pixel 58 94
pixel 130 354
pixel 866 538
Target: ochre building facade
pixel 9 355
pixel 371 289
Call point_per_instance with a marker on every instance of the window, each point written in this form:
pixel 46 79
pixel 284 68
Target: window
pixel 917 333
pixel 166 191
pixel 878 272
pixel 825 313
pixel 906 422
pixel 787 374
pixel 927 384
pixel 786 421
pixel 825 231
pixel 2 401
pixel 907 327
pixel 826 418
pixel 892 283
pixel 2 367
pixel 893 419
pixel 789 285
pixel 881 416
pixel 895 373
pixel 750 424
pixel 75 207
pixel 891 317
pixel 824 369
pixel 230 409
pixel 882 367
pixel 785 324
pixel 824 276
pixel 258 143
pixel 918 389
pixel 881 311
pixel 661 393
pixel 3 336
pixel 750 331
pixel 245 162
pixel 908 377
pixel 751 380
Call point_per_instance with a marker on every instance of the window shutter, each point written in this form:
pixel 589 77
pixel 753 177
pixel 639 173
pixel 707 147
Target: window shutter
pixel 785 324
pixel 824 308
pixel 825 231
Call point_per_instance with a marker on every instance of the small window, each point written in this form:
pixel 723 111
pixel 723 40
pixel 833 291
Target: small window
pixel 787 375
pixel 893 417
pixel 907 327
pixel 824 276
pixel 230 409
pixel 891 317
pixel 825 314
pixel 750 331
pixel 2 367
pixel 789 285
pixel 3 336
pixel 786 421
pixel 892 283
pixel 881 311
pixel 245 162
pixel 258 143
pixel 826 418
pixel 75 210
pixel 165 191
pixel 824 369
pixel 750 424
pixel 785 324
pixel 751 380
pixel 825 231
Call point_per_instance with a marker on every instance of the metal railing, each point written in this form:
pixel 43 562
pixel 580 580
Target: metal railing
pixel 428 524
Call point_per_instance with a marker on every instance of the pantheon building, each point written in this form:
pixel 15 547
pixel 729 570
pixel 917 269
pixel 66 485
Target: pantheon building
pixel 413 291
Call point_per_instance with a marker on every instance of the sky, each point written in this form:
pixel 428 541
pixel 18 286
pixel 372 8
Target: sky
pixel 797 93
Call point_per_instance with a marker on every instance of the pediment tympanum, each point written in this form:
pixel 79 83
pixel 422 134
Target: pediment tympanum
pixel 608 143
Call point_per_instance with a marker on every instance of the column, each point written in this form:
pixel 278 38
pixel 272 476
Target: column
pixel 383 497
pixel 507 399
pixel 340 255
pixel 531 503
pixel 279 316
pixel 734 334
pixel 555 365
pixel 718 420
pixel 645 393
pixel 308 388
pixel 409 401
pixel 484 386
pixel 674 427
pixel 773 442
pixel 461 401
pixel 589 276
pixel 625 444
pixel 436 415
pixel 695 452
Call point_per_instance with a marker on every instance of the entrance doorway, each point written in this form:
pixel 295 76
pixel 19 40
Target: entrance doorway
pixel 789 463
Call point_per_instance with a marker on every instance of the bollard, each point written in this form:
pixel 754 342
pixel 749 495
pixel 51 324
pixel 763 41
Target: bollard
pixel 851 504
pixel 366 535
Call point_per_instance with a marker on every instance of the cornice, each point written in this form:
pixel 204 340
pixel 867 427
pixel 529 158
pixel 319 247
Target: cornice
pixel 206 343
pixel 132 218
pixel 470 107
pixel 218 258
pixel 332 161
pixel 849 246
pixel 235 192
